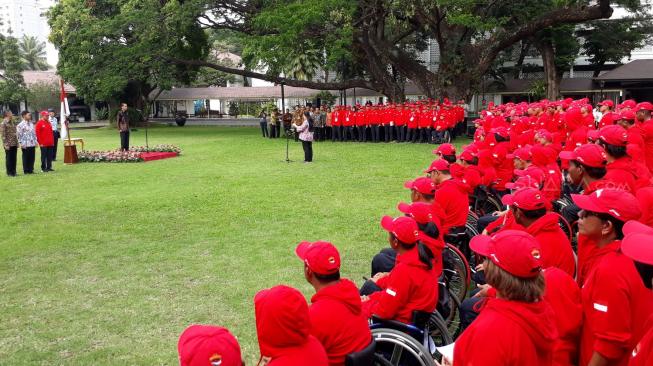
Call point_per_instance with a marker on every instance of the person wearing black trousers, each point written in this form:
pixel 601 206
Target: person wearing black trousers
pixel 9 142
pixel 122 120
pixel 55 132
pixel 305 132
pixel 26 133
pixel 263 121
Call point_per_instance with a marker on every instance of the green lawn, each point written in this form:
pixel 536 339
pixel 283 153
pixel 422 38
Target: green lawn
pixel 106 264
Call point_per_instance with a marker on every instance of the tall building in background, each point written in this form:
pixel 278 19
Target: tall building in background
pixel 27 17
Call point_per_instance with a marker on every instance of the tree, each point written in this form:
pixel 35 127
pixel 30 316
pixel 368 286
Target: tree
pixel 12 84
pixel 382 38
pixel 113 50
pixel 559 48
pixel 33 53
pixel 43 95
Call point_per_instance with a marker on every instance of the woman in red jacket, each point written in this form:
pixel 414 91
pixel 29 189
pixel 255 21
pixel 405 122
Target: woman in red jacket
pixel 516 327
pixel 45 138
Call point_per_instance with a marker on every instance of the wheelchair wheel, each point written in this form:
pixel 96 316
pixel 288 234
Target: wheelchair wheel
pixel 472 218
pixel 453 320
pixel 447 137
pixel 487 206
pixel 457 273
pixel 397 348
pixel 439 333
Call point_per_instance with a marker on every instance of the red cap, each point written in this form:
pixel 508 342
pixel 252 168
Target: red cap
pixel 533 172
pixel 607 103
pixel 614 135
pixel 206 345
pixel 528 199
pixel 593 135
pixel 420 211
pixel 467 155
pixel 523 182
pixel 321 257
pixel 637 242
pixel 445 149
pixel 644 106
pixel 501 131
pixel 439 165
pixel 545 135
pixel 628 115
pixel 422 185
pixel 591 155
pixel 629 103
pixel 404 228
pixel 617 203
pixel 516 252
pixel 44 113
pixel 523 153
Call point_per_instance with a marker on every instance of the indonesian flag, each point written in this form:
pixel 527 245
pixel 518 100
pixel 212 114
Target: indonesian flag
pixel 65 112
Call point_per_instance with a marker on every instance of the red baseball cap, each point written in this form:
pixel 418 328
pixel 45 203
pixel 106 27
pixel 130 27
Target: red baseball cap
pixel 439 165
pixel 422 185
pixel 404 228
pixel 467 155
pixel 422 212
pixel 644 106
pixel 617 203
pixel 207 345
pixel 523 153
pixel 44 113
pixel 545 135
pixel 607 103
pixel 516 252
pixel 445 149
pixel 523 182
pixel 593 135
pixel 628 103
pixel 637 242
pixel 533 172
pixel 321 257
pixel 528 199
pixel 501 131
pixel 628 115
pixel 614 135
pixel 591 155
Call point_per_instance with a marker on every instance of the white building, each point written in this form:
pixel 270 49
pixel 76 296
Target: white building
pixel 27 17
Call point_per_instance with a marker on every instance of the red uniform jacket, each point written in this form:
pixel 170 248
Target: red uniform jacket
pixel 556 248
pixel 636 145
pixel 642 354
pixel 508 333
pixel 413 117
pixel 647 134
pixel 284 332
pixel 563 294
pixel 44 134
pixel 622 173
pixel 424 120
pixel 615 304
pixel 410 286
pixel 452 196
pixel 350 333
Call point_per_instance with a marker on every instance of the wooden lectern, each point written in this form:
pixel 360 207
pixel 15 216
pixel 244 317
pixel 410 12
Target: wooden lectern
pixel 70 154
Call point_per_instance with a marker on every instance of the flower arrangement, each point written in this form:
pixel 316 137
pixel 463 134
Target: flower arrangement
pixel 114 156
pixel 157 148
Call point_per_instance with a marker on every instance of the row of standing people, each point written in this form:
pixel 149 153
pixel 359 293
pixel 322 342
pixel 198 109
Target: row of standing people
pixel 27 135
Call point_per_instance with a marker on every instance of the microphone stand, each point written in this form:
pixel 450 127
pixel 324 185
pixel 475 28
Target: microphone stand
pixel 288 145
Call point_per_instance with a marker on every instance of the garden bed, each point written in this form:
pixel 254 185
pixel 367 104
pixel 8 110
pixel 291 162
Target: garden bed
pixel 135 155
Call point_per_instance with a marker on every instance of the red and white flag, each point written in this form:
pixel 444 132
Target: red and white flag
pixel 65 112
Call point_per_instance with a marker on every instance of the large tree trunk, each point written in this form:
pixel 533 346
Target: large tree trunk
pixel 550 73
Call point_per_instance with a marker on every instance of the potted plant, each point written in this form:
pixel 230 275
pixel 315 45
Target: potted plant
pixel 180 118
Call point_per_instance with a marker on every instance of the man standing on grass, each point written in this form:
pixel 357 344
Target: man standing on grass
pixel 55 132
pixel 122 120
pixel 9 142
pixel 27 140
pixel 45 138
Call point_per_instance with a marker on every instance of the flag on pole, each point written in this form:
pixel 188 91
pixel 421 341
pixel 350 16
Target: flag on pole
pixel 65 111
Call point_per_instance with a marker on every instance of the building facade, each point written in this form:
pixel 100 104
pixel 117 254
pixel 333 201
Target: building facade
pixel 27 18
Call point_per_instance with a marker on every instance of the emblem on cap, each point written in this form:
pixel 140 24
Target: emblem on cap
pixel 215 359
pixel 332 260
pixel 535 253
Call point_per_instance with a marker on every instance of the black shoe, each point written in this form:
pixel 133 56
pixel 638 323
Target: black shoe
pixel 45 171
pixel 11 175
pixel 50 170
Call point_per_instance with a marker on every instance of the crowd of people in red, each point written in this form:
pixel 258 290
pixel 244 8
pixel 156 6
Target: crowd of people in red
pixel 538 300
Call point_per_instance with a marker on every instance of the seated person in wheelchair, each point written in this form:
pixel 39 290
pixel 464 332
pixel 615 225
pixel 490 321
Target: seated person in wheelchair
pixel 428 222
pixel 516 327
pixel 530 208
pixel 471 174
pixel 207 345
pixel 422 189
pixel 504 220
pixel 636 245
pixel 451 195
pixel 586 169
pixel 283 327
pixel 412 283
pixel 335 298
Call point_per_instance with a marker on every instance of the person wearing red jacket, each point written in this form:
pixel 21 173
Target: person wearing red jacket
pixel 401 118
pixel 529 208
pixel 451 195
pixel 636 146
pixel 411 124
pixel 335 298
pixel 362 123
pixel 424 124
pixel 207 345
pixel 283 327
pixel 516 327
pixel 45 138
pixel 620 168
pixel 643 112
pixel 412 284
pixel 348 123
pixel 608 117
pixel 615 301
pixel 636 245
pixel 472 175
pixel 422 189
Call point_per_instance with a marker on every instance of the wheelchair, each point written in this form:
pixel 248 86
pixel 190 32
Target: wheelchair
pixel 403 344
pixel 484 202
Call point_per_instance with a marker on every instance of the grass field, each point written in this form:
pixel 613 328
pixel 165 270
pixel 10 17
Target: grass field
pixel 106 264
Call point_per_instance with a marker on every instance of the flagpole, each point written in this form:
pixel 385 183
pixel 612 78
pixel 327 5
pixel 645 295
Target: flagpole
pixel 70 150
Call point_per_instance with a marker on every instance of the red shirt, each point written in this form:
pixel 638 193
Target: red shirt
pixel 410 286
pixel 452 196
pixel 508 333
pixel 642 354
pixel 44 134
pixel 350 333
pixel 556 248
pixel 647 133
pixel 563 294
pixel 621 172
pixel 615 304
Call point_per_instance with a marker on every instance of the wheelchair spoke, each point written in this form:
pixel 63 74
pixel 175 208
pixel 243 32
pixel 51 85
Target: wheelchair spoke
pixel 397 352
